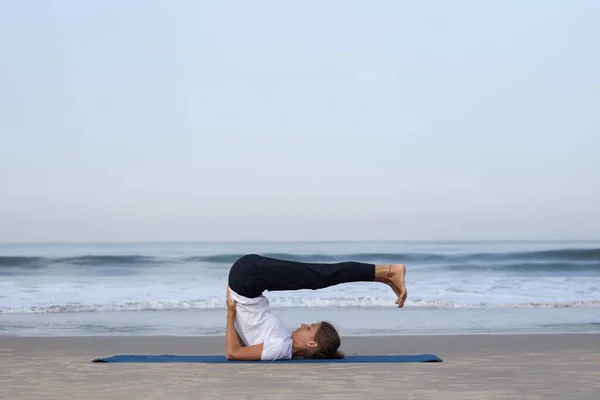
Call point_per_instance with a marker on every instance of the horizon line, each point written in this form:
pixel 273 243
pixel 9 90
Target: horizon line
pixel 293 241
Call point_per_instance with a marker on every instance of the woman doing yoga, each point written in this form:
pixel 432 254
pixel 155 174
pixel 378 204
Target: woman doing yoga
pixel 254 333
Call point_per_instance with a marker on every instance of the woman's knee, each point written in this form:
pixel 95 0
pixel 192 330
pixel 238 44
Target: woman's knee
pixel 243 276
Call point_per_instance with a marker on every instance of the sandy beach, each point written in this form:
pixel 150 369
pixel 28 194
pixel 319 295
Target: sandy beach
pixel 560 366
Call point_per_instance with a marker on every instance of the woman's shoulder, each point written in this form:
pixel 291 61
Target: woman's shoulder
pixel 277 348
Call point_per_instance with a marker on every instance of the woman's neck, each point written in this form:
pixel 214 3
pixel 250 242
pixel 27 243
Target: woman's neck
pixel 297 351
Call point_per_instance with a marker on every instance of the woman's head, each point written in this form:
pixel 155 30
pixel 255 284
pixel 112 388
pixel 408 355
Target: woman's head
pixel 318 340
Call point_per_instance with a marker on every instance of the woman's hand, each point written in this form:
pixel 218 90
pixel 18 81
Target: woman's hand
pixel 230 303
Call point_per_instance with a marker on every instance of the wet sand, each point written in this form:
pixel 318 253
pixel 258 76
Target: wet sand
pixel 556 366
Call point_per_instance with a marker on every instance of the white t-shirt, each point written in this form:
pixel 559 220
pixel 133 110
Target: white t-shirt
pixel 256 324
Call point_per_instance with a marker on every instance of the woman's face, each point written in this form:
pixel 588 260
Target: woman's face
pixel 305 334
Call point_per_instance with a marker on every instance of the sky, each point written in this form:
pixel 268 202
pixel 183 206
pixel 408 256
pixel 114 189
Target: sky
pixel 314 120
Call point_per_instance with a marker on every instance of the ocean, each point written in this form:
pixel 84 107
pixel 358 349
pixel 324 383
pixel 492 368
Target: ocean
pixel 179 288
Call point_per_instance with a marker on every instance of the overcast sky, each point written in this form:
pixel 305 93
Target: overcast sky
pixel 313 120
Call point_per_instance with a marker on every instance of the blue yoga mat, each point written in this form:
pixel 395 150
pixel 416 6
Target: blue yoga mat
pixel 132 358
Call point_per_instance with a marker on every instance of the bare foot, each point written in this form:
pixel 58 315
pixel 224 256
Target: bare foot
pixel 398 284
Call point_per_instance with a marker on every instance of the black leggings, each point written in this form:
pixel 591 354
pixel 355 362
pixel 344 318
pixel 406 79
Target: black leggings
pixel 253 274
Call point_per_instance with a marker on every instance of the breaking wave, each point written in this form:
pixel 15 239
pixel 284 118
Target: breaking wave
pixel 568 260
pixel 279 302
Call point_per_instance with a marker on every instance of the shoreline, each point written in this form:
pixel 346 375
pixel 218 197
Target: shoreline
pixel 384 321
pixel 385 335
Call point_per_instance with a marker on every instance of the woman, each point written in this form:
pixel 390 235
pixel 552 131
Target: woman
pixel 254 333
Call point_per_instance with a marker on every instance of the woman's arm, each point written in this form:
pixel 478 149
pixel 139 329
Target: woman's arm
pixel 234 350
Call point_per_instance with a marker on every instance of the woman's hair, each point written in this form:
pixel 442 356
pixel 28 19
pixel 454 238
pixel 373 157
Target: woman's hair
pixel 328 342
